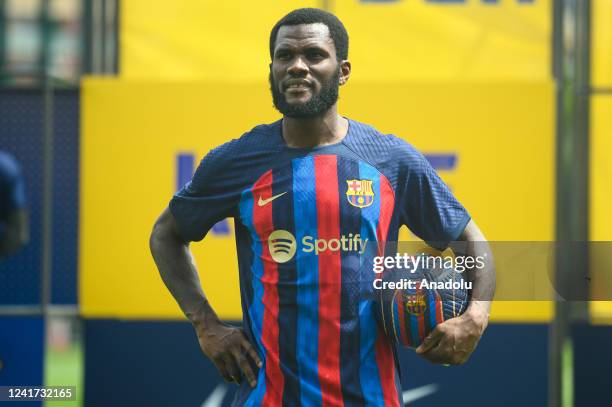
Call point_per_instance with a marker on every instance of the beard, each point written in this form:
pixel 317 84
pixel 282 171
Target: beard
pixel 318 104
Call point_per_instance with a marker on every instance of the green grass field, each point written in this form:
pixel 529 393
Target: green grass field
pixel 65 368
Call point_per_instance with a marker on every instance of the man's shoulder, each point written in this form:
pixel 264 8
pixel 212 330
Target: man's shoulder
pixel 262 135
pixel 259 138
pixel 237 160
pixel 369 141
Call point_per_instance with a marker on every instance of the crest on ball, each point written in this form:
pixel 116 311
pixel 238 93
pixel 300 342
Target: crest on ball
pixel 415 304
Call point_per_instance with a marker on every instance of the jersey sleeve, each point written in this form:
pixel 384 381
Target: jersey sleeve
pixel 212 195
pixel 12 186
pixel 427 206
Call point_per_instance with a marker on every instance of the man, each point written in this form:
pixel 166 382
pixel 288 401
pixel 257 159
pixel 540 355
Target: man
pixel 13 214
pixel 299 235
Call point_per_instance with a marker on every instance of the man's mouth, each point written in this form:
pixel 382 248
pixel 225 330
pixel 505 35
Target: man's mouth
pixel 297 86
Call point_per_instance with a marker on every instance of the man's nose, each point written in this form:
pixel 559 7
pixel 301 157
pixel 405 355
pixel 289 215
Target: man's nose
pixel 298 67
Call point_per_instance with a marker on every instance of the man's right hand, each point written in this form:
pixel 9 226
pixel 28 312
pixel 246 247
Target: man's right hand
pixel 227 346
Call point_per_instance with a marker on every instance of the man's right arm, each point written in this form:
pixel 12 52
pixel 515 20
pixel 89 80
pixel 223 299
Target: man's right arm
pixel 223 344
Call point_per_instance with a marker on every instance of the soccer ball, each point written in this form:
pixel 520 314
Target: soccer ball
pixel 411 303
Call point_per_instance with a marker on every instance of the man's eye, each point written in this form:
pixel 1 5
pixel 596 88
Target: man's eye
pixel 283 55
pixel 315 55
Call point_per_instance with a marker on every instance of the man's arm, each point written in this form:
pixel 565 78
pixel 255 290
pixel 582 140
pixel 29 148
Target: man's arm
pixel 223 344
pixel 14 233
pixel 453 341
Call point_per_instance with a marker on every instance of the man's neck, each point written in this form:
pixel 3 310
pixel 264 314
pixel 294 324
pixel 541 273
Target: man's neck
pixel 319 131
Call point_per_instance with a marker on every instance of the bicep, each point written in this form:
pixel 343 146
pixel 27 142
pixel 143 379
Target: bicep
pixel 166 227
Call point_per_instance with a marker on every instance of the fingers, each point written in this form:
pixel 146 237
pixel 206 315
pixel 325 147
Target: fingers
pixel 445 353
pixel 451 342
pixel 243 363
pixel 437 347
pixel 220 364
pixel 246 345
pixel 244 366
pixel 430 341
pixel 439 354
pixel 235 361
pixel 228 348
pixel 232 369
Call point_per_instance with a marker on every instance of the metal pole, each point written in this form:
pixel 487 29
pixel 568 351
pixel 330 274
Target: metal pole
pixel 110 34
pixel 557 40
pixel 47 218
pixel 571 69
pixel 47 196
pixel 558 329
pixel 115 35
pixel 103 35
pixel 87 37
pixel 2 38
pixel 97 40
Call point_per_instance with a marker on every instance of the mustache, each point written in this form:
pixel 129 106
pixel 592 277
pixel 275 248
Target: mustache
pixel 296 82
pixel 319 103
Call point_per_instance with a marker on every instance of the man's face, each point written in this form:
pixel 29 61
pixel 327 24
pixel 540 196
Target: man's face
pixel 305 73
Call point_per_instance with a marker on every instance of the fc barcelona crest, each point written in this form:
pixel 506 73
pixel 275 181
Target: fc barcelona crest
pixel 415 304
pixel 359 192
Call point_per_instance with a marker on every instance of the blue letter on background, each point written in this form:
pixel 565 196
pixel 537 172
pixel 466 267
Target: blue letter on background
pixel 185 164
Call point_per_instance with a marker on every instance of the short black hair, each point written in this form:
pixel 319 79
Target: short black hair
pixel 337 31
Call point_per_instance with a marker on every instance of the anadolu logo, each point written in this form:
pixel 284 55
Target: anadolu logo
pixel 281 244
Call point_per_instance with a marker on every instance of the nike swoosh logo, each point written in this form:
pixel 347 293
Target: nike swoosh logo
pixel 418 393
pixel 263 202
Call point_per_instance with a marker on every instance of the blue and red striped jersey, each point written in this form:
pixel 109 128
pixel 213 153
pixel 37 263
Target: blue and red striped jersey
pixel 308 223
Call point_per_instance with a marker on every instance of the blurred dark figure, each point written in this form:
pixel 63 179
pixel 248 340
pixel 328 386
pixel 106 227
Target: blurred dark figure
pixel 14 230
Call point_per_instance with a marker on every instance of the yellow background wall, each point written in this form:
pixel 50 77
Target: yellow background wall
pixel 471 78
pixel 601 153
pixel 601 45
pixel 502 134
pixel 402 40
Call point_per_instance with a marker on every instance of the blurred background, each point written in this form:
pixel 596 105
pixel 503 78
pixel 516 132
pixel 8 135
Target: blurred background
pixel 107 106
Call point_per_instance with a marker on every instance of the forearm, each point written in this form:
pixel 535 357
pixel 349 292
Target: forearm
pixel 179 273
pixel 474 246
pixel 224 345
pixel 483 279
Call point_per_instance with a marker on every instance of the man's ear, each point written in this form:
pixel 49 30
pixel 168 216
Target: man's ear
pixel 345 71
